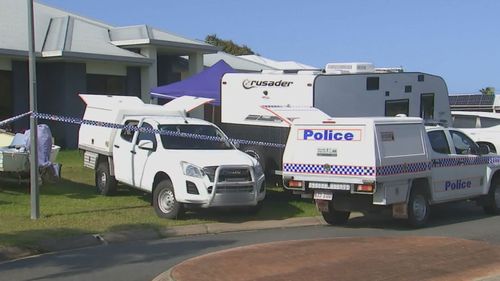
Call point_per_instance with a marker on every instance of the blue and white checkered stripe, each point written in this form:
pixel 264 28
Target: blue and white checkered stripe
pixel 493 160
pixel 328 169
pixel 12 119
pixel 405 168
pixel 152 131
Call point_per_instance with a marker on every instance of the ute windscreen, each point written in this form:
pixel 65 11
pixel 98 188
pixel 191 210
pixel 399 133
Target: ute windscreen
pixel 193 137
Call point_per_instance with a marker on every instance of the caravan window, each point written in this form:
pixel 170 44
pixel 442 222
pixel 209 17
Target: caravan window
pixel 427 106
pixel 372 83
pixel 395 107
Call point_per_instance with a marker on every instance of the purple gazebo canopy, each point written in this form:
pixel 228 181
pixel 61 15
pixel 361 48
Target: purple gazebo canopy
pixel 205 84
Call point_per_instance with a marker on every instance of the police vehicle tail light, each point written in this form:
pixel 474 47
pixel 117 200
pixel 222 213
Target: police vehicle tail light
pixel 365 187
pixel 329 121
pixel 295 184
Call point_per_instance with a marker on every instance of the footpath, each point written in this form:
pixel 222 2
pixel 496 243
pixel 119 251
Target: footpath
pixel 81 241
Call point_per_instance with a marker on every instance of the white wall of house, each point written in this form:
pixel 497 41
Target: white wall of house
pixel 195 63
pixel 149 74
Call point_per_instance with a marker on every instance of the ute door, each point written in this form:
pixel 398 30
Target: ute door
pixel 454 174
pixel 140 155
pixel 471 165
pixel 122 157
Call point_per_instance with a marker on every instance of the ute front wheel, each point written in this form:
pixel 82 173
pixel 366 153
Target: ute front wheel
pixel 164 202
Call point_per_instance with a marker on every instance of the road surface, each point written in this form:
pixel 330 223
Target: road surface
pixel 144 260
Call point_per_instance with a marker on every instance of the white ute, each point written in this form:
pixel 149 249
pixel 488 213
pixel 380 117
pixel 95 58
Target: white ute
pixel 363 164
pixel 191 163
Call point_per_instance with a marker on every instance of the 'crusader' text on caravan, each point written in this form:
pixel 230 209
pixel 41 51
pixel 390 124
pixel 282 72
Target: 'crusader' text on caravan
pixel 249 84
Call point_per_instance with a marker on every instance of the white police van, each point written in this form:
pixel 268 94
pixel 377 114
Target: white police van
pixel 364 164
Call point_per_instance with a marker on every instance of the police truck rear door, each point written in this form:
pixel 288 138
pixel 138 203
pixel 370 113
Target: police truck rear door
pixel 331 154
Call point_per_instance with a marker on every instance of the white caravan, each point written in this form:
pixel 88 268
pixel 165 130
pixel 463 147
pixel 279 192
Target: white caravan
pixel 342 90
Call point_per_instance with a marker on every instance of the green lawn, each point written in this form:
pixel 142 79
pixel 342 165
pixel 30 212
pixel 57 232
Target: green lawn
pixel 72 207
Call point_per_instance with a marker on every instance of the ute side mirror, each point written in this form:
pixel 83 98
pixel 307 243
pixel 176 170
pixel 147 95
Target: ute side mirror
pixel 483 149
pixel 146 145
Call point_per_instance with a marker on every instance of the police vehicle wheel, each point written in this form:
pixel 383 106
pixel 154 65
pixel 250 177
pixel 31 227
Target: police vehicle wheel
pixel 418 208
pixel 164 202
pixel 492 206
pixel 104 181
pixel 334 217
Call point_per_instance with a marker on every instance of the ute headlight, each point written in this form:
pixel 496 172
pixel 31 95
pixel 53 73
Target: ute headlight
pixel 258 169
pixel 192 170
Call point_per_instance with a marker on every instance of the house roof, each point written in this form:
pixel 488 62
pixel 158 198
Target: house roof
pixel 235 62
pixel 129 36
pixel 66 35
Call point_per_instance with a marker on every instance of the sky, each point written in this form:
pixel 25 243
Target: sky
pixel 457 40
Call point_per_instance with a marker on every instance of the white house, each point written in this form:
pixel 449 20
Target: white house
pixel 77 54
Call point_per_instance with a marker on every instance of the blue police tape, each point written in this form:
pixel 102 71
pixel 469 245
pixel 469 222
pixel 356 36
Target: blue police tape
pixel 80 121
pixel 12 119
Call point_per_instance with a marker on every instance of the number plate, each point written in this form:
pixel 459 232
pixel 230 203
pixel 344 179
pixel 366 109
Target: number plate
pixel 323 195
pixel 340 186
pixel 326 185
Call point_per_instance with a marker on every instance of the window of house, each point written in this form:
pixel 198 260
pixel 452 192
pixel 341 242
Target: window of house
pixel 372 83
pixel 106 84
pixel 427 106
pixel 438 142
pixel 408 89
pixel 6 109
pixel 395 107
